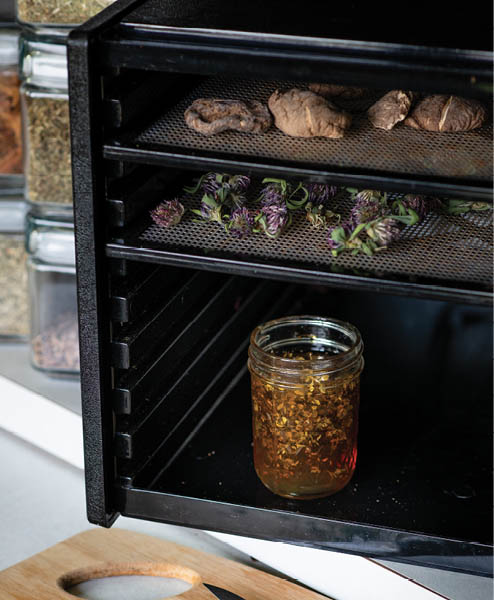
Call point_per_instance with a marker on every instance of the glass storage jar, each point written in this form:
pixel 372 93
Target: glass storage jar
pixel 46 123
pixel 59 13
pixel 14 300
pixel 53 296
pixel 10 107
pixel 305 376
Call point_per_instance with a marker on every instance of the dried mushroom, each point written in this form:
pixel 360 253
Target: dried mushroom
pixel 389 110
pixel 210 116
pixel 447 113
pixel 301 113
pixel 331 90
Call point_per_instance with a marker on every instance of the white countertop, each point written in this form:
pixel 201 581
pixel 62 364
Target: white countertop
pixel 42 501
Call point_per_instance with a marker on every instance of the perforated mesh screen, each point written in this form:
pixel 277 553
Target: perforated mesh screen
pixel 402 150
pixel 441 248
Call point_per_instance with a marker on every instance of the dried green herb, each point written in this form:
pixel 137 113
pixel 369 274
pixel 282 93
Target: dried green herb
pixel 59 11
pixel 48 171
pixel 14 301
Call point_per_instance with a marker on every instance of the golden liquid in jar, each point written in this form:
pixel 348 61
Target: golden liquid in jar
pixel 305 436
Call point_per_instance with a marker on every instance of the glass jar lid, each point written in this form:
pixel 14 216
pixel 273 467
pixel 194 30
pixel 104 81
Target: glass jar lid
pixel 9 47
pixel 50 242
pixel 43 64
pixel 13 212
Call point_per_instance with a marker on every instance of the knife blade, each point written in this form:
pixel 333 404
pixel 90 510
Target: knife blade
pixel 221 593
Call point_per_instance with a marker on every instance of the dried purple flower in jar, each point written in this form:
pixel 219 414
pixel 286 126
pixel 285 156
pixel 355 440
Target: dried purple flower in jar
pixel 241 223
pixel 168 213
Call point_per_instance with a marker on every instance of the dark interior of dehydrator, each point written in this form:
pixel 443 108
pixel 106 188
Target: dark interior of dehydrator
pixel 183 402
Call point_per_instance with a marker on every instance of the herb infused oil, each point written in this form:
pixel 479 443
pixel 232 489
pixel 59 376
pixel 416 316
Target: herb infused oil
pixel 305 375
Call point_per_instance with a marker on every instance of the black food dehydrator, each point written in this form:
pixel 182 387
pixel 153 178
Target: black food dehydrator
pixel 165 314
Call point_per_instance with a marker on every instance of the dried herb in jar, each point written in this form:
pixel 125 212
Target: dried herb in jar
pixel 59 11
pixel 305 384
pixel 48 173
pixel 14 302
pixel 57 346
pixel 305 437
pixel 10 124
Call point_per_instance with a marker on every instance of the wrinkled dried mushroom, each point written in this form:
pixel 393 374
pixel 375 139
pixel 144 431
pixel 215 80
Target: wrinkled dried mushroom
pixel 301 113
pixel 331 90
pixel 447 113
pixel 210 116
pixel 389 110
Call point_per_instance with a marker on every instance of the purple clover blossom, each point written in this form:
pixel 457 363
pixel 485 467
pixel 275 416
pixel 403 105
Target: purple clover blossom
pixel 241 223
pixel 321 193
pixel 240 183
pixel 338 236
pixel 210 210
pixel 369 205
pixel 276 218
pixel 168 213
pixel 228 189
pixel 384 232
pixel 271 194
pixel 211 183
pixel 420 204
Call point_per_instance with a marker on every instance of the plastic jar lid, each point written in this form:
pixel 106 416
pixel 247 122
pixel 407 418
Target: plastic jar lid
pixel 43 64
pixel 12 215
pixel 50 242
pixel 9 47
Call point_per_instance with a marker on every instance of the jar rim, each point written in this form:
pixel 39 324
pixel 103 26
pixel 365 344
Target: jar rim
pixel 333 363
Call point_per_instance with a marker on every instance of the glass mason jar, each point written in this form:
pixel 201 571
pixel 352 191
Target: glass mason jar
pixel 10 108
pixel 46 123
pixel 53 296
pixel 59 13
pixel 14 301
pixel 305 378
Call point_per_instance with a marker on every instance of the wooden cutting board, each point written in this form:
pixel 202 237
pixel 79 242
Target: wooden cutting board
pixel 106 552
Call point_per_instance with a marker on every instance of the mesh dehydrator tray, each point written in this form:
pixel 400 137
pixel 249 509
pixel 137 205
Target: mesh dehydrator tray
pixel 443 250
pixel 405 151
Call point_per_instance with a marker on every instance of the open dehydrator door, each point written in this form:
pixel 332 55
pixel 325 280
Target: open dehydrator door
pixel 165 313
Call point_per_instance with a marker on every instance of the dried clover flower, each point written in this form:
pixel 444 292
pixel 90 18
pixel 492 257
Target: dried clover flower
pixel 369 205
pixel 278 199
pixel 321 193
pixel 225 189
pixel 168 213
pixel 318 216
pixel 211 210
pixel 383 231
pixel 272 219
pixel 280 190
pixel 241 223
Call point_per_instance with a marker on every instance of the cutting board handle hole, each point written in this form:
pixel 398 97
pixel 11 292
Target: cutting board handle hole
pixel 112 581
